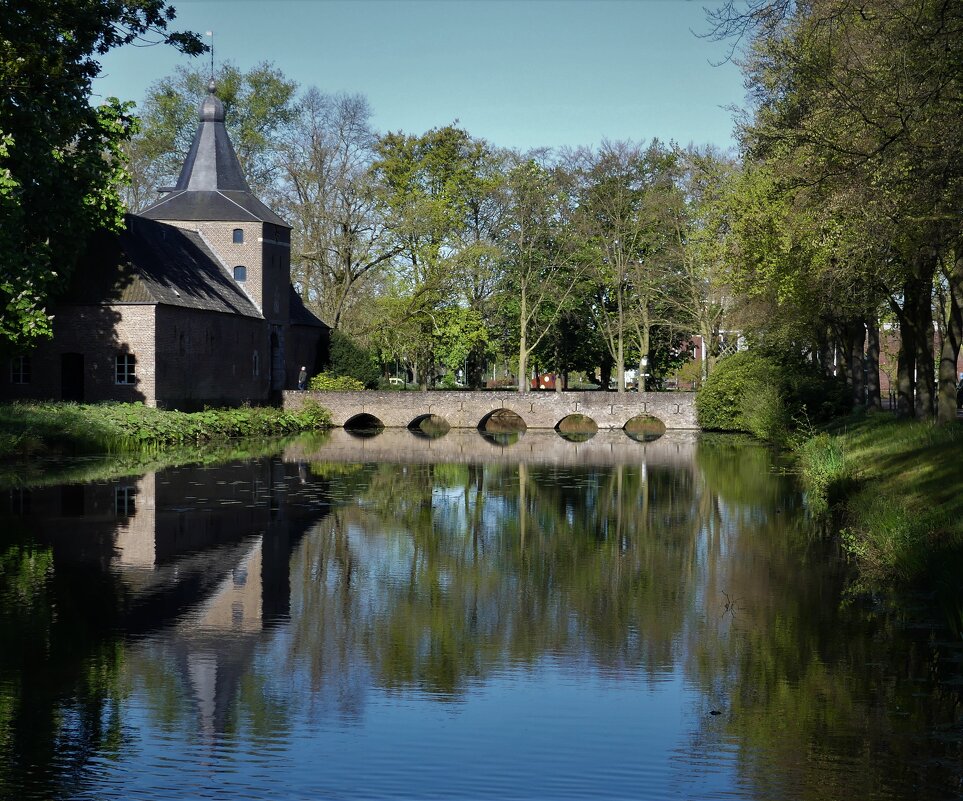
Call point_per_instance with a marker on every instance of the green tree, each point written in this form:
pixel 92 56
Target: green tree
pixel 60 161
pixel 856 112
pixel 624 192
pixel 341 243
pixel 542 278
pixel 431 187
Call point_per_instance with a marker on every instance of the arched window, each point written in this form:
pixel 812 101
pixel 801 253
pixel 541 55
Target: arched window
pixel 240 273
pixel 238 236
pixel 255 364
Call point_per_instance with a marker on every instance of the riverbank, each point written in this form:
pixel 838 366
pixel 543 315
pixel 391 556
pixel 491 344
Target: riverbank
pixel 897 489
pixel 49 428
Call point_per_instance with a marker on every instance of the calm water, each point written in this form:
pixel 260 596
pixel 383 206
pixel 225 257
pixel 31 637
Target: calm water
pixel 402 617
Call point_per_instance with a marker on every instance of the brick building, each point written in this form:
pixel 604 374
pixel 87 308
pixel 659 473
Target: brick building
pixel 190 305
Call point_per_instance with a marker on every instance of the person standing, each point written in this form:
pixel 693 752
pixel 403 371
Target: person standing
pixel 303 378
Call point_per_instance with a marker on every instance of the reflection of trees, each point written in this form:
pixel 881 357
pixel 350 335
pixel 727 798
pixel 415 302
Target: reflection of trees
pixel 440 575
pixel 59 661
pixel 826 700
pixel 441 572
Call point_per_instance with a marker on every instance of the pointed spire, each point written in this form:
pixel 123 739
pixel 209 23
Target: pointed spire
pixel 211 185
pixel 211 163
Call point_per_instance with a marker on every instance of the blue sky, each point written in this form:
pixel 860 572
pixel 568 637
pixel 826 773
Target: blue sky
pixel 520 73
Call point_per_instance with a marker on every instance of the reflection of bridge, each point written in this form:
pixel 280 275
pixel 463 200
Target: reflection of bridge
pixel 472 409
pixel 470 447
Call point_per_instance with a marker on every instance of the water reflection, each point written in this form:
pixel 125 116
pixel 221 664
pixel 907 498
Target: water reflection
pixel 426 610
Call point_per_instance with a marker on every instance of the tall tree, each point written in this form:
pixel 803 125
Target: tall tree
pixel 857 109
pixel 326 190
pixel 60 161
pixel 542 276
pixel 428 186
pixel 622 189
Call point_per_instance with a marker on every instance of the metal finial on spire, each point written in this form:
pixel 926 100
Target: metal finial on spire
pixel 211 34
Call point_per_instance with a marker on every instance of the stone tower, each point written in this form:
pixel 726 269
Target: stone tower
pixel 252 243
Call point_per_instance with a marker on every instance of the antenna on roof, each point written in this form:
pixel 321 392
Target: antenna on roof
pixel 211 34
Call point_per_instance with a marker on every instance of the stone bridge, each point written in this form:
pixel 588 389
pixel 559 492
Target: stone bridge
pixel 398 409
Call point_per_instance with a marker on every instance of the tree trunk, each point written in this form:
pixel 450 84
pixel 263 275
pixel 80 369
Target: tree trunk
pixel 950 347
pixel 620 357
pixel 873 399
pixel 605 371
pixel 523 344
pixel 925 358
pixel 824 352
pixel 906 374
pixel 842 354
pixel 857 342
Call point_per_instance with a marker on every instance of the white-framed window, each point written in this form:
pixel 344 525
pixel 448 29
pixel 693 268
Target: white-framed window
pixel 238 236
pixel 125 368
pixel 20 370
pixel 240 273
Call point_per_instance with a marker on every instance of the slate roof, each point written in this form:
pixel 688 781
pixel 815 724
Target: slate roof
pixel 155 263
pixel 300 314
pixel 211 185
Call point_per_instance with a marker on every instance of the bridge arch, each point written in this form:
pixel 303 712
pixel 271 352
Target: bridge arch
pixel 644 427
pixel 577 427
pixel 429 425
pixel 480 409
pixel 363 425
pixel 502 420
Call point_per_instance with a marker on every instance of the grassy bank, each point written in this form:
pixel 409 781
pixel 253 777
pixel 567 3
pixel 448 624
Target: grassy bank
pixel 898 490
pixel 41 428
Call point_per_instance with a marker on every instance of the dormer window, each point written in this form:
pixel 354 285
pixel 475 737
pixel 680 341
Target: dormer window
pixel 238 236
pixel 240 273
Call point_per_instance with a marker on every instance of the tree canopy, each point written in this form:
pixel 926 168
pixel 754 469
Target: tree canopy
pixel 60 159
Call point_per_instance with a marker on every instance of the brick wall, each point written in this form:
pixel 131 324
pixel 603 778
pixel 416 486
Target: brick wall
pixel 98 334
pixel 219 237
pixel 276 273
pixel 307 345
pixel 210 357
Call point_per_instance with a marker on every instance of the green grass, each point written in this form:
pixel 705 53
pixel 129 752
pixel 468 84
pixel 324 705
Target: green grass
pixel 42 428
pixel 899 489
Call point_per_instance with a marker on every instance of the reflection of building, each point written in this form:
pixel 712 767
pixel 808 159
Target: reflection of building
pixel 202 552
pixel 191 303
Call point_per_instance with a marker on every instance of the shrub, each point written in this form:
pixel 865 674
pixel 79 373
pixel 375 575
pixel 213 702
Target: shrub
pixel 730 389
pixel 762 394
pixel 328 382
pixel 348 358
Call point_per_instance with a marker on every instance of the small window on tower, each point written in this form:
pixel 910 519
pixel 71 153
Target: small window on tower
pixel 238 236
pixel 240 273
pixel 125 366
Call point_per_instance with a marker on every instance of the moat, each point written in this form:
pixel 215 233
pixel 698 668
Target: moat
pixel 517 617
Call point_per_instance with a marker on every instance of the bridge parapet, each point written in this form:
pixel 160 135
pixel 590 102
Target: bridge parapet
pixel 466 409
